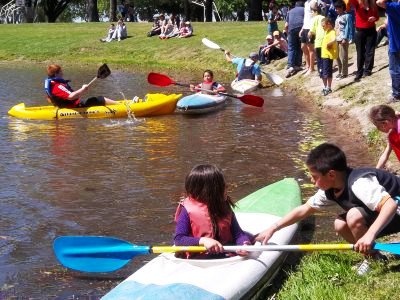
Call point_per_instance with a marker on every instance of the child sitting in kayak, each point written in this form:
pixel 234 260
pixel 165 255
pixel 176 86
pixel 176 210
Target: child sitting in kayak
pixel 208 84
pixel 205 217
pixel 60 94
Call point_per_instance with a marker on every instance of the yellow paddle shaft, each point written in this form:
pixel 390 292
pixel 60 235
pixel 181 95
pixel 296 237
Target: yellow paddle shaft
pixel 305 247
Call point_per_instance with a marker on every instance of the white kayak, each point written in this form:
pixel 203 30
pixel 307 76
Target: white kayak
pixel 168 277
pixel 200 103
pixel 244 86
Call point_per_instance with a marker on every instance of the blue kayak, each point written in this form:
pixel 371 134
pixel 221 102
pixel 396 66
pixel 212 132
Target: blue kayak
pixel 200 103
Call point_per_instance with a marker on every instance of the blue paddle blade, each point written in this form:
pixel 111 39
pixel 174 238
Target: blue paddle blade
pixel 95 253
pixel 389 247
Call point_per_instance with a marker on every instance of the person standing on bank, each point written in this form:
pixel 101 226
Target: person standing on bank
pixel 293 25
pixel 364 194
pixel 365 36
pixel 393 27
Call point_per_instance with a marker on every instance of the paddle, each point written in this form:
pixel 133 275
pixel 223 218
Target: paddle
pixel 103 72
pixel 107 254
pixel 163 80
pixel 274 78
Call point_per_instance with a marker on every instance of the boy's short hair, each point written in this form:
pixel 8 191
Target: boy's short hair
pixel 327 20
pixel 326 157
pixel 340 3
pixel 53 70
pixel 379 113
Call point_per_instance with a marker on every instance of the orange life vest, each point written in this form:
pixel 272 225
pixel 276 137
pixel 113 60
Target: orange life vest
pixel 200 221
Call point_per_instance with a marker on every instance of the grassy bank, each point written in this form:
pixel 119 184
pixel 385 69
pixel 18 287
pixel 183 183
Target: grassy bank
pixel 319 275
pixel 79 43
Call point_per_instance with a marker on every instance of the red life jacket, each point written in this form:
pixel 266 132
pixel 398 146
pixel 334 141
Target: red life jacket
pixel 200 221
pixel 57 101
pixel 394 140
pixel 207 86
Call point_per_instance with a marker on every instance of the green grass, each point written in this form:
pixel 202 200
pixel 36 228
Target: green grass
pixel 319 275
pixel 328 276
pixel 70 43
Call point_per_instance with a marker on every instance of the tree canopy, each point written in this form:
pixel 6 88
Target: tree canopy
pixel 95 10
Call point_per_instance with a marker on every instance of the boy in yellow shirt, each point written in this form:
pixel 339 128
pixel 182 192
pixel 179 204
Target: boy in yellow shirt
pixel 328 54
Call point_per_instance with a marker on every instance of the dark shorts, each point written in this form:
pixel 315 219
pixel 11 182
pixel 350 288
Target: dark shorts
pixel 370 217
pixel 326 67
pixel 92 101
pixel 304 37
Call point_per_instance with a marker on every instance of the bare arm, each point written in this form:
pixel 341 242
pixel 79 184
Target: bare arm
pixel 228 56
pixel 384 157
pixel 388 210
pixel 299 213
pixel 74 95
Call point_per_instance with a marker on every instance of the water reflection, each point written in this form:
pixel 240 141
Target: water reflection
pixel 124 177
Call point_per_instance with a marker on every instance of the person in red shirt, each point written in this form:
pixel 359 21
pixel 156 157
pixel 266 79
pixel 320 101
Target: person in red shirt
pixel 365 36
pixel 386 120
pixel 61 94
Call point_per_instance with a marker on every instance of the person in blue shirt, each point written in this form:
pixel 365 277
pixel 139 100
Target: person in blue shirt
pixel 393 28
pixel 247 68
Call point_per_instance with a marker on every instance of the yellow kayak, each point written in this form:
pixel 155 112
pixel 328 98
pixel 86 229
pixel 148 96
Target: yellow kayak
pixel 151 105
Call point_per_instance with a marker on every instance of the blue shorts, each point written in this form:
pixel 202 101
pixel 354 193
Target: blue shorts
pixel 326 67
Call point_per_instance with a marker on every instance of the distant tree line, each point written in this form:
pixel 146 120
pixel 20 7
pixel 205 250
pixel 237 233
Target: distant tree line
pixel 95 10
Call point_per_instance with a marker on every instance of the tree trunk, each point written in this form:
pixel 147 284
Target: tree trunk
pixel 30 11
pixel 92 11
pixel 186 9
pixel 255 10
pixel 240 15
pixel 209 10
pixel 113 10
pixel 54 8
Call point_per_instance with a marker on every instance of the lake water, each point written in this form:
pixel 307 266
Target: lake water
pixel 123 178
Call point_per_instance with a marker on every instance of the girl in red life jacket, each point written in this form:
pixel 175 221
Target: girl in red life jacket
pixel 387 120
pixel 62 95
pixel 205 217
pixel 208 84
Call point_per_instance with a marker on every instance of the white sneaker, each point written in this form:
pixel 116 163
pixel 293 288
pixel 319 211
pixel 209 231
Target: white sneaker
pixel 290 72
pixel 362 268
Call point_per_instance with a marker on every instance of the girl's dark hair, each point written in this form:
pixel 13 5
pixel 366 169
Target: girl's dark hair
pixel 326 157
pixel 209 72
pixel 206 184
pixel 380 113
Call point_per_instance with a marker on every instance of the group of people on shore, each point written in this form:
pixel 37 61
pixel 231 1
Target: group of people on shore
pixel 173 27
pixel 116 33
pixel 322 32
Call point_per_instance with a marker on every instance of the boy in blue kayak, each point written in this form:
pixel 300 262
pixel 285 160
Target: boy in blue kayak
pixel 247 68
pixel 363 195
